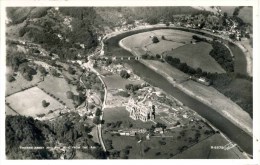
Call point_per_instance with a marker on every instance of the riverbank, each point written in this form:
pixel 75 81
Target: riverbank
pixel 243 62
pixel 205 94
pixel 231 130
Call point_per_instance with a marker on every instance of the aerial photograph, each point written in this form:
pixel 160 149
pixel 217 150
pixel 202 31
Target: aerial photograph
pixel 128 82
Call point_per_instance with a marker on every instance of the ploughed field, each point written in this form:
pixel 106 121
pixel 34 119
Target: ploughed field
pixel 176 43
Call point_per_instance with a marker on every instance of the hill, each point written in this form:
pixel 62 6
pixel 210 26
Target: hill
pixel 23 132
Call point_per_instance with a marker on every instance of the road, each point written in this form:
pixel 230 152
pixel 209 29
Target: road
pixel 99 126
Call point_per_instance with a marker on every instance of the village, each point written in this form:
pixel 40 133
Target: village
pixel 123 115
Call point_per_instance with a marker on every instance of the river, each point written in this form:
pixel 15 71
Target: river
pixel 233 132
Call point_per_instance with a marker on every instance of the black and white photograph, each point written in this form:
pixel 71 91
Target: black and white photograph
pixel 129 82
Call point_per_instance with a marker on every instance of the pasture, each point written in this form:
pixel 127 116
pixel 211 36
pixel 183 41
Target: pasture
pixel 162 46
pixel 197 56
pixel 20 83
pixel 166 70
pixel 9 111
pixel 142 42
pixel 207 153
pixel 29 102
pixel 57 87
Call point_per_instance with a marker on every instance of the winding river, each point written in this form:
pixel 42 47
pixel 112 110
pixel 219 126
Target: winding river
pixel 233 132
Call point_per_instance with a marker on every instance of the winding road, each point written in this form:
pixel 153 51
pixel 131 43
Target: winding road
pixel 99 126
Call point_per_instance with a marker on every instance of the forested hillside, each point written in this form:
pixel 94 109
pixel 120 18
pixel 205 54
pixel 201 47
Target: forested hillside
pixel 23 132
pixel 74 32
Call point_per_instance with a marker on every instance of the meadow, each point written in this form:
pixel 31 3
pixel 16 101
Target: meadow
pixel 29 102
pixel 197 56
pixel 57 87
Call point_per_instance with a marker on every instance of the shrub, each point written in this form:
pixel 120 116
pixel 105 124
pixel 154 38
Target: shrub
pixel 45 103
pixel 69 94
pixel 155 39
pixel 10 78
pixel 124 74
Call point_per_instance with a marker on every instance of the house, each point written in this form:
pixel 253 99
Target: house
pixel 158 130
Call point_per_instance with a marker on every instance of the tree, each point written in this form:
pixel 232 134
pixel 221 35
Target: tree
pixel 108 61
pixel 45 103
pixel 163 38
pixel 53 63
pixel 236 12
pixel 98 112
pixel 54 72
pixel 71 70
pixel 158 56
pixel 10 78
pixel 232 36
pixel 155 39
pixel 124 74
pixel 28 77
pixel 225 14
pixel 69 94
pixel 42 70
pixel 96 120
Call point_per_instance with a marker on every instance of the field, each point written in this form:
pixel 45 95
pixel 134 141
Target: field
pixel 167 70
pixel 116 82
pixel 20 82
pixel 213 98
pixel 176 44
pixel 9 111
pixel 83 155
pixel 207 153
pixel 29 102
pixel 162 46
pixel 241 92
pixel 246 13
pixel 58 87
pixel 173 39
pixel 158 146
pixel 197 55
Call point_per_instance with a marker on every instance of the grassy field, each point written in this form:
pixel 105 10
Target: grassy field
pixel 83 155
pixel 29 102
pixel 144 40
pixel 138 40
pixel 241 92
pixel 207 153
pixel 212 97
pixel 167 70
pixel 173 39
pixel 116 82
pixel 197 55
pixel 9 111
pixel 151 148
pixel 20 83
pixel 162 46
pixel 58 87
